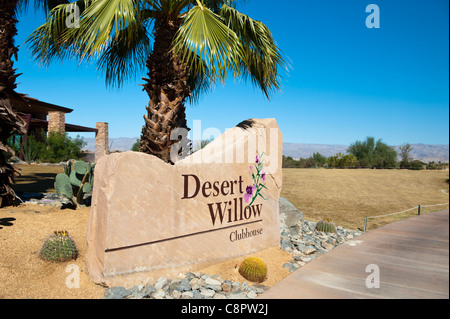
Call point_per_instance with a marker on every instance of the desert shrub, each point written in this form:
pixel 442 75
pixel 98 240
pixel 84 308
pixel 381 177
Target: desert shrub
pixel 416 165
pixel 437 166
pixel 319 159
pixel 289 162
pixel 135 147
pixel 342 161
pixel 59 147
pixel 30 148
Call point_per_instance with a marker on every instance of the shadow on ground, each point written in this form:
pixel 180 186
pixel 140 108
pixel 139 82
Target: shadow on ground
pixel 6 221
pixel 35 183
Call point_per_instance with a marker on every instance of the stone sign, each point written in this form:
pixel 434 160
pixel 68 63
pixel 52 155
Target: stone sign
pixel 220 202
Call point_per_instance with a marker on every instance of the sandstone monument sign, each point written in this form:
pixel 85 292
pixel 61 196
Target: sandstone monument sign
pixel 220 202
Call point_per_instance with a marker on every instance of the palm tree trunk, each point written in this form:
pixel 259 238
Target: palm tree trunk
pixel 10 122
pixel 168 89
pixel 7 48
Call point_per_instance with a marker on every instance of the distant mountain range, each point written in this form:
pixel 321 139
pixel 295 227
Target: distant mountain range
pixel 423 152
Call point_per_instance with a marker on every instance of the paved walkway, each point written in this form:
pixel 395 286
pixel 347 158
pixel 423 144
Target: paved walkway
pixel 412 257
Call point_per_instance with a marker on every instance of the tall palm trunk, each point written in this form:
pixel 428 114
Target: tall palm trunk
pixel 10 122
pixel 168 89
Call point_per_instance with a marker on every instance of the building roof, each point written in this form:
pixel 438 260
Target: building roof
pixel 68 127
pixel 36 106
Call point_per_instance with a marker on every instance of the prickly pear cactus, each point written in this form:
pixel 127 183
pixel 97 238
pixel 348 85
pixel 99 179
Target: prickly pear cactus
pixel 59 247
pixel 253 269
pixel 63 186
pixel 78 179
pixel 326 226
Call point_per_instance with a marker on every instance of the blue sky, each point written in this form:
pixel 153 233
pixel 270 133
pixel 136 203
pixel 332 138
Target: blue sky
pixel 346 81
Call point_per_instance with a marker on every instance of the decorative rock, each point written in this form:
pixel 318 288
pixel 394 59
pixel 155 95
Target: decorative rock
pixel 159 294
pixel 240 295
pixel 289 266
pixel 236 286
pixel 187 295
pixel 183 286
pixel 226 286
pixel 290 217
pixel 176 294
pixel 116 293
pixel 309 250
pixel 327 245
pixel 148 290
pixel 213 284
pixel 252 295
pixel 260 288
pixel 207 293
pixel 306 259
pixel 195 283
pixel 160 283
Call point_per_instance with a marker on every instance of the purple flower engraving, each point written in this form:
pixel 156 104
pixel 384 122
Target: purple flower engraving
pixel 254 191
pixel 249 193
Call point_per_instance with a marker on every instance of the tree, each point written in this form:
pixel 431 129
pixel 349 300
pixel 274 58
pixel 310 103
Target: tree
pixel 342 161
pixel 405 154
pixel 384 156
pixel 10 122
pixel 371 153
pixel 319 159
pixel 289 162
pixel 195 44
pixel 135 147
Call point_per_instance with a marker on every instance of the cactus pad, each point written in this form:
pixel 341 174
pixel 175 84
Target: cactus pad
pixel 253 269
pixel 59 247
pixel 80 167
pixel 62 185
pixel 73 184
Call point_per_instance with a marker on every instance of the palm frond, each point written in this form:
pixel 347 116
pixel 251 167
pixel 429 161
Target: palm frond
pixel 199 83
pixel 262 59
pixel 126 54
pixel 203 35
pixel 100 22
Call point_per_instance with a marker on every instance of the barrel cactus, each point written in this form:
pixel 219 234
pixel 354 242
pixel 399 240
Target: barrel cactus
pixel 77 180
pixel 253 269
pixel 326 226
pixel 59 247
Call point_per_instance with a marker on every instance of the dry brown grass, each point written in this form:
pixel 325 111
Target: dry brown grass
pixel 347 196
pixel 37 178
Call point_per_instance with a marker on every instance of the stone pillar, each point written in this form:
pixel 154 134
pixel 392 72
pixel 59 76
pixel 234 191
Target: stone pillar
pixel 101 140
pixel 56 122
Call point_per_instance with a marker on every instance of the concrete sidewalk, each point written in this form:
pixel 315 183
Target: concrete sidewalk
pixel 412 256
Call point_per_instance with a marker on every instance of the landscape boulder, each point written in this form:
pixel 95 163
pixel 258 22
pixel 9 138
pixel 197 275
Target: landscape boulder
pixel 291 219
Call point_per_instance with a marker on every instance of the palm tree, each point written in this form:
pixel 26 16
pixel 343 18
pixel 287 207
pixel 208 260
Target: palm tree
pixel 185 45
pixel 10 122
